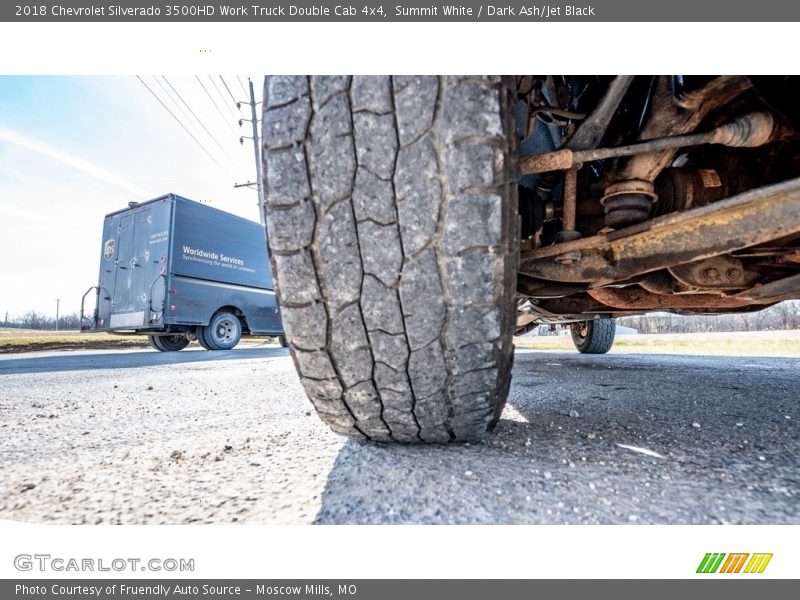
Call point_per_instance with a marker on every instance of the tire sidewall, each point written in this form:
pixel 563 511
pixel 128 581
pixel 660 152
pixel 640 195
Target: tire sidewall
pixel 155 342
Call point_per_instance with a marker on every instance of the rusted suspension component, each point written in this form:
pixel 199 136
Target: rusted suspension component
pixel 717 273
pixel 570 198
pixel 578 308
pixel 754 217
pixel 536 288
pixel 591 131
pixel 749 131
pixel 638 299
pixel 775 291
pixel 671 115
pixel 569 233
pixel 681 189
pixel 627 202
pixel 557 308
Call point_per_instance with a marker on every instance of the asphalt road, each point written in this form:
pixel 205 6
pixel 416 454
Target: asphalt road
pixel 144 437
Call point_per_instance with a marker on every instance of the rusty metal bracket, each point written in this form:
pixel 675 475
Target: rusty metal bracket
pixel 754 217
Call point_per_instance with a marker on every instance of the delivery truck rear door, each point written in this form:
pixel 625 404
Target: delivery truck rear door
pixel 130 294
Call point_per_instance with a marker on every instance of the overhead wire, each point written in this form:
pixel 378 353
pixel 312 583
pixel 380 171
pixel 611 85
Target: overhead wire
pixel 177 104
pixel 224 100
pixel 233 98
pixel 241 83
pixel 213 138
pixel 214 102
pixel 194 114
pixel 161 102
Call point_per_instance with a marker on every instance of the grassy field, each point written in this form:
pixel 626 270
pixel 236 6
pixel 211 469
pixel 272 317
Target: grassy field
pixel 756 343
pixel 29 340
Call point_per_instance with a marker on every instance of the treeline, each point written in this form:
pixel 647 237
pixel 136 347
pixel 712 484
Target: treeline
pixel 785 315
pixel 36 320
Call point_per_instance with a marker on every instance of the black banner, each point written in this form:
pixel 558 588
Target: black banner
pixel 400 11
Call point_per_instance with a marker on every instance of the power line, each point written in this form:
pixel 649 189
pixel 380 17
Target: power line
pixel 202 147
pixel 198 119
pixel 214 102
pixel 233 99
pixel 177 104
pixel 241 83
pixel 224 100
pixel 213 139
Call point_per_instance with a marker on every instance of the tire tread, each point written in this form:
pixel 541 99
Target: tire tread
pixel 599 337
pixel 410 266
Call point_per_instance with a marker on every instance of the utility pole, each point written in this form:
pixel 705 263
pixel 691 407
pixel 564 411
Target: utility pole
pixel 58 302
pixel 257 152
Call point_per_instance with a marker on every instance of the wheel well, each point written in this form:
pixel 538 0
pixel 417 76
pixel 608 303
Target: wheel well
pixel 236 311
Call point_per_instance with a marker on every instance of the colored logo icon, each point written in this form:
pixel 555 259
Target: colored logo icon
pixel 741 562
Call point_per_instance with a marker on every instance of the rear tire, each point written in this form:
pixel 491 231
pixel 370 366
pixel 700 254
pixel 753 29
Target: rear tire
pixel 200 333
pixel 168 343
pixel 223 332
pixel 392 224
pixel 594 337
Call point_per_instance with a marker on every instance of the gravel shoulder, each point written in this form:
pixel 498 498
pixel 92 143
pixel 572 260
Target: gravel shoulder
pixel 197 437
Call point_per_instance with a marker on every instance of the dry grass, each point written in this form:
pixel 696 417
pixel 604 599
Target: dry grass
pixel 33 340
pixel 761 343
pixel 29 340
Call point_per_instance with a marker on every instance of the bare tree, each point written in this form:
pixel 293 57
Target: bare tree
pixel 33 320
pixel 787 313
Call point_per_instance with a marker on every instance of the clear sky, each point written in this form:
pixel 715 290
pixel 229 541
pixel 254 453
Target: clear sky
pixel 75 148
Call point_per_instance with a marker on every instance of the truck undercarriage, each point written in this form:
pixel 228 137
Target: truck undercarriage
pixel 656 193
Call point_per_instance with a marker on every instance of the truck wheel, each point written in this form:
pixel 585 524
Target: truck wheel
pixel 594 337
pixel 223 332
pixel 282 341
pixel 168 343
pixel 392 224
pixel 200 333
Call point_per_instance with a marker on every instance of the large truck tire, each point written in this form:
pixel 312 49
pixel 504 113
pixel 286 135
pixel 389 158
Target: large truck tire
pixel 223 332
pixel 200 333
pixel 393 231
pixel 594 337
pixel 168 343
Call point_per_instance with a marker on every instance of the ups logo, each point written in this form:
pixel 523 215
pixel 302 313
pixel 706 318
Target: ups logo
pixel 108 249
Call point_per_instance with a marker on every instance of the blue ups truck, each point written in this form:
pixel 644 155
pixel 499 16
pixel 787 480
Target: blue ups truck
pixel 177 270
